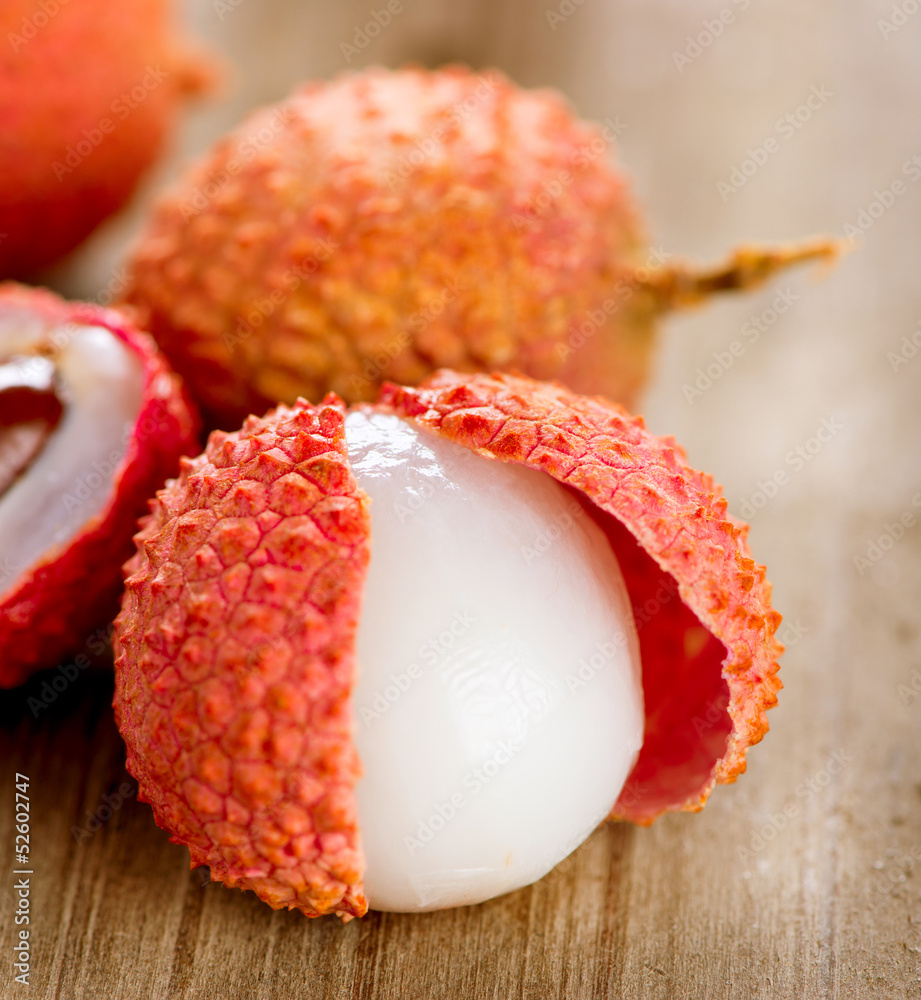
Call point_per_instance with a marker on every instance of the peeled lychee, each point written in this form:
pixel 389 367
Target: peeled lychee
pixel 554 620
pixel 388 223
pixel 88 93
pixel 92 421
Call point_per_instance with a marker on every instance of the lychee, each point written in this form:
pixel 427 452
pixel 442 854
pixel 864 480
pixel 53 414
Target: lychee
pixel 388 223
pixel 88 94
pixel 410 654
pixel 92 421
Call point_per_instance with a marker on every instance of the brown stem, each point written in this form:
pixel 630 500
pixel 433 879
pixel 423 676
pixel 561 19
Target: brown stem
pixel 679 285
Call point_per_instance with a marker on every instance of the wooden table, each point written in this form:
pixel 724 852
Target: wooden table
pixel 804 879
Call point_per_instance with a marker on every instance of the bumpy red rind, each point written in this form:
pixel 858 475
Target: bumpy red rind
pixel 46 610
pixel 388 223
pixel 702 605
pixel 235 659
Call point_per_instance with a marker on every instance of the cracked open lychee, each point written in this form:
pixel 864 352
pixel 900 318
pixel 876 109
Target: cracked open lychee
pixel 92 422
pixel 88 94
pixel 408 655
pixel 389 223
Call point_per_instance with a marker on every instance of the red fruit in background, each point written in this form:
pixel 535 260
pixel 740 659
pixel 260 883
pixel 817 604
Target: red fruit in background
pixel 89 91
pixel 236 644
pixel 387 223
pixel 92 422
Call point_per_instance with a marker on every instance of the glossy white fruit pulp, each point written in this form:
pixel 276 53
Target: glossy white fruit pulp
pixel 499 706
pixel 68 483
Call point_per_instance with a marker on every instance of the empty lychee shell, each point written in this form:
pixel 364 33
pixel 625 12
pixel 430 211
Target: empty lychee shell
pixel 92 421
pixel 237 687
pixel 388 223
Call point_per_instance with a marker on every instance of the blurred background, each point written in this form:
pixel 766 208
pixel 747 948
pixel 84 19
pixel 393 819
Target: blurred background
pixel 742 121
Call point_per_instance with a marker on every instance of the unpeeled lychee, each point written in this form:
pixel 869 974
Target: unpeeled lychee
pixel 92 421
pixel 88 94
pixel 236 665
pixel 385 224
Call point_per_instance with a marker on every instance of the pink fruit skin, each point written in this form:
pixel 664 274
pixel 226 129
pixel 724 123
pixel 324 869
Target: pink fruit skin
pixel 235 660
pixel 51 606
pixel 702 605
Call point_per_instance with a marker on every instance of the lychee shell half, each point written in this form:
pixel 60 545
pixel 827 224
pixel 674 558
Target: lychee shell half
pixel 235 659
pixel 701 604
pixel 388 223
pixel 235 644
pixel 88 94
pixel 49 607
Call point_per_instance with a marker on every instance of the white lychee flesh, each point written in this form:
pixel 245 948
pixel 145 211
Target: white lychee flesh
pixel 499 707
pixel 101 383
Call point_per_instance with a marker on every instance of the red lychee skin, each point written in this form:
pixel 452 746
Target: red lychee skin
pixel 233 681
pixel 388 223
pixel 49 608
pixel 88 94
pixel 235 660
pixel 701 603
pixel 316 249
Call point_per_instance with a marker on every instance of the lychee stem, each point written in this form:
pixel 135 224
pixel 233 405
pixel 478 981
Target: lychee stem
pixel 680 285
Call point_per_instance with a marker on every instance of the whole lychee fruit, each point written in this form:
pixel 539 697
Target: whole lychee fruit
pixel 88 94
pixel 411 654
pixel 92 421
pixel 385 224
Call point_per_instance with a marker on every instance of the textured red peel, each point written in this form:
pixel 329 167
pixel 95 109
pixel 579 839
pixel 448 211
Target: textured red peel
pixel 396 222
pixel 235 659
pixel 702 605
pixel 236 641
pixel 47 609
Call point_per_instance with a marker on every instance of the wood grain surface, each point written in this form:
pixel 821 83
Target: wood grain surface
pixel 804 878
